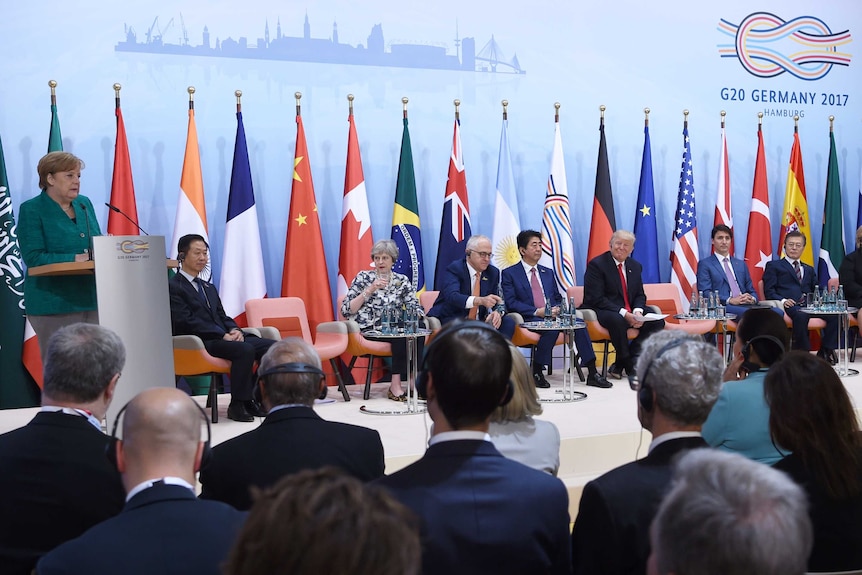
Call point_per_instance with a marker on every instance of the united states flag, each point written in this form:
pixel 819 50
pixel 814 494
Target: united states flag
pixel 684 256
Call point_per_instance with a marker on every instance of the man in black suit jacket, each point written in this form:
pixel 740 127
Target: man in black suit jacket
pixel 55 482
pixel 781 281
pixel 614 289
pixel 163 528
pixel 480 512
pixel 850 273
pixel 680 377
pixel 292 437
pixel 196 309
pixel 456 299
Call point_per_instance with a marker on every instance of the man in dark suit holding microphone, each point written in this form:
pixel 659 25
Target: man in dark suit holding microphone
pixel 196 309
pixel 527 287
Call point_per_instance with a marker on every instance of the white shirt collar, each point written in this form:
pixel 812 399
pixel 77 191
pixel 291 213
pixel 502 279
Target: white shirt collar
pixel 473 272
pixel 671 435
pixel 458 436
pixel 72 411
pixel 150 482
pixel 617 263
pixel 187 275
pixel 791 261
pixel 528 267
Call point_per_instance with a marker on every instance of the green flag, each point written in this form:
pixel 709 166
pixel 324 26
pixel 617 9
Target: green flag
pixel 405 219
pixel 55 139
pixel 832 240
pixel 17 388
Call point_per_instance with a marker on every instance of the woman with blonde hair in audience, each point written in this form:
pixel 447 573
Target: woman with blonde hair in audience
pixel 514 431
pixel 811 414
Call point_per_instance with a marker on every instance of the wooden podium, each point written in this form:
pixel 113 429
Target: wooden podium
pixel 132 297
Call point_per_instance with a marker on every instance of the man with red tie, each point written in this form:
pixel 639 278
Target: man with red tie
pixel 614 289
pixel 527 286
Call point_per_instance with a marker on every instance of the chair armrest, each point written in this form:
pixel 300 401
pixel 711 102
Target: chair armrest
pixel 587 314
pixel 654 308
pixel 188 342
pixel 432 323
pixel 332 327
pixel 251 331
pixel 352 326
pixel 771 303
pixel 516 317
pixel 269 332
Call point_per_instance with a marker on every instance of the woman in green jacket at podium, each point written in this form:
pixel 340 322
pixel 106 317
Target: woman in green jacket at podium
pixel 57 226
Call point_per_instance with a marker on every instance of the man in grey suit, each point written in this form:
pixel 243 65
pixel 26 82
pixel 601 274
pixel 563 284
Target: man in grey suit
pixel 680 377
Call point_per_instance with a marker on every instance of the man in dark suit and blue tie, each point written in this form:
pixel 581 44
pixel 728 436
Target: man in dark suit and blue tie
pixel 527 286
pixel 196 309
pixel 471 289
pixel 613 287
pixel 788 280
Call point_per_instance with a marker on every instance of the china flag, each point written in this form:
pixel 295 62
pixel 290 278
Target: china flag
pixel 305 273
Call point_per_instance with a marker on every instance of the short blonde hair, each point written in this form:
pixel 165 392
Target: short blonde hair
pixel 624 235
pixel 54 162
pixel 525 399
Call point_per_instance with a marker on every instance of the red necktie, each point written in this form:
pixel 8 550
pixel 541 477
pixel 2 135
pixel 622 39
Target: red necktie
pixel 536 287
pixel 625 287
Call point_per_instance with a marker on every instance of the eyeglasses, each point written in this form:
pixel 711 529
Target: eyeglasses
pixel 482 254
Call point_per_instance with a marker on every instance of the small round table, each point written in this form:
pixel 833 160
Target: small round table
pixel 569 359
pixel 842 368
pixel 412 406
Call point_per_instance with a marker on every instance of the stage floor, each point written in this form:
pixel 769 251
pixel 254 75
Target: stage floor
pixel 597 433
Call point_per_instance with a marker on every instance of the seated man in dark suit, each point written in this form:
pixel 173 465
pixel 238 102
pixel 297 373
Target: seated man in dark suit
pixel 164 527
pixel 196 309
pixel 727 514
pixel 55 482
pixel 527 286
pixel 680 377
pixel 726 274
pixel 479 512
pixel 789 280
pixel 613 287
pixel 850 274
pixel 471 289
pixel 292 437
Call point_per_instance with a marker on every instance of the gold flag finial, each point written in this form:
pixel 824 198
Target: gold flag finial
pixel 831 121
pixel 404 101
pixel 117 88
pixel 191 91
pixel 760 118
pixel 556 112
pixel 298 96
pixel 646 116
pixel 238 94
pixel 723 114
pixel 350 99
pixel 457 103
pixel 53 85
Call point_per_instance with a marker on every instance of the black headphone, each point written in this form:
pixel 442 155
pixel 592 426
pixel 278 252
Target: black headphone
pixel 111 448
pixel 295 367
pixel 746 351
pixel 422 376
pixel 645 396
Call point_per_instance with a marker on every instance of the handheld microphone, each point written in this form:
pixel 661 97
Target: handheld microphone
pixel 89 233
pixel 122 213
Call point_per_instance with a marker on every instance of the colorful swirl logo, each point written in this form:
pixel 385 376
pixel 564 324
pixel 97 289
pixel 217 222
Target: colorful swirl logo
pixel 134 246
pixel 767 46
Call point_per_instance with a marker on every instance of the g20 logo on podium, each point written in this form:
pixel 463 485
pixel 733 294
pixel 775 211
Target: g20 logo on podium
pixel 133 246
pixel 768 46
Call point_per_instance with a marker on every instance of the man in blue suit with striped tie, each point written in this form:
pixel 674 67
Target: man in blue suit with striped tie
pixel 526 287
pixel 726 274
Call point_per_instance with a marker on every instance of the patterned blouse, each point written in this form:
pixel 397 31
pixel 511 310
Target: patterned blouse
pixel 398 294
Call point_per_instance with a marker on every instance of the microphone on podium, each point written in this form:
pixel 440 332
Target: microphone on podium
pixel 122 213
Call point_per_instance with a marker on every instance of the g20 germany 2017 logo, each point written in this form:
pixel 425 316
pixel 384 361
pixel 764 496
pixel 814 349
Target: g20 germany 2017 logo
pixel 767 46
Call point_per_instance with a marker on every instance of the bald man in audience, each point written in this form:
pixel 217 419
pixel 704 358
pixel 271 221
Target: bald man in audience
pixel 164 528
pixel 55 482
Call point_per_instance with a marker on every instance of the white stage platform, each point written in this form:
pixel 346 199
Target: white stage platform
pixel 598 433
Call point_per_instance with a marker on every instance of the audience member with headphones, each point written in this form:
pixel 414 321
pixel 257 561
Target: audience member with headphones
pixel 479 512
pixel 680 377
pixel 164 527
pixel 740 419
pixel 292 437
pixel 196 309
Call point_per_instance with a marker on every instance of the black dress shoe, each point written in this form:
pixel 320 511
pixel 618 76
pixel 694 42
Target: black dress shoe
pixel 597 380
pixel 323 392
pixel 541 382
pixel 634 383
pixel 615 371
pixel 238 412
pixel 255 408
pixel 828 355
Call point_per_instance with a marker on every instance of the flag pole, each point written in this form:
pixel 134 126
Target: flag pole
pixel 602 109
pixel 556 112
pixel 350 98
pixel 404 101
pixel 795 124
pixel 759 120
pixel 505 109
pixel 646 117
pixel 457 103
pixel 117 88
pixel 238 94
pixel 191 91
pixel 831 120
pixel 53 85
pixel 723 114
pixel 298 96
